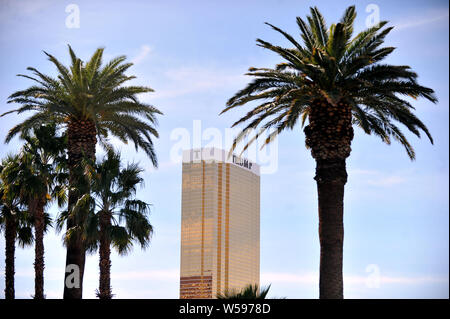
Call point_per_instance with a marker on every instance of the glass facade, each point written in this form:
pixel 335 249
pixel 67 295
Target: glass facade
pixel 220 225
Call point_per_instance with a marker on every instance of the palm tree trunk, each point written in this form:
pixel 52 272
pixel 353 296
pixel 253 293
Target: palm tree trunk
pixel 81 144
pixel 331 177
pixel 329 135
pixel 39 249
pixel 10 249
pixel 75 255
pixel 105 257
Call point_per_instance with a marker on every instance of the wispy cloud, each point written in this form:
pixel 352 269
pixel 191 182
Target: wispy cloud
pixel 170 277
pixel 313 278
pixel 358 171
pixel 167 278
pixel 165 166
pixel 143 53
pixel 50 273
pixel 387 181
pixel 378 178
pixel 23 8
pixel 279 277
pixel 429 18
pixel 192 79
pixel 162 275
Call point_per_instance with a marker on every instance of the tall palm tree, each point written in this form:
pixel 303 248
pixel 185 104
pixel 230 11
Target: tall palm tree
pixel 14 220
pixel 248 292
pixel 334 82
pixel 118 219
pixel 90 102
pixel 38 179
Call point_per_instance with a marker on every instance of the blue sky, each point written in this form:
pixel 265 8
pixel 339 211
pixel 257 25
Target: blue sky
pixel 194 54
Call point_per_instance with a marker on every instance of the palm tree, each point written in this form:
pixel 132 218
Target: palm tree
pixel 248 292
pixel 90 102
pixel 118 219
pixel 38 177
pixel 14 220
pixel 335 82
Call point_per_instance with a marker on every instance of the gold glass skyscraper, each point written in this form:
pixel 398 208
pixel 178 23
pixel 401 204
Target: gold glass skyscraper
pixel 220 223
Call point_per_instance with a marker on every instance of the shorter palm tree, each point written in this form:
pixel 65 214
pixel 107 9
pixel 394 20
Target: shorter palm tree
pixel 14 219
pixel 37 179
pixel 248 292
pixel 116 218
pixel 91 101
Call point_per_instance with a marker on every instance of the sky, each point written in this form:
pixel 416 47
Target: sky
pixel 194 55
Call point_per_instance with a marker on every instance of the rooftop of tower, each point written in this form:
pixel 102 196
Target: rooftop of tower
pixel 212 154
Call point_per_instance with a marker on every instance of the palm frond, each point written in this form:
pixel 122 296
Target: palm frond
pixel 332 67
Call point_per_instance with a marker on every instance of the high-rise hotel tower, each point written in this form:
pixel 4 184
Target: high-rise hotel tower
pixel 220 223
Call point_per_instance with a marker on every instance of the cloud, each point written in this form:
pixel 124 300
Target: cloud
pixel 377 178
pixel 143 53
pixel 276 277
pixel 164 166
pixel 169 279
pixel 162 282
pixel 313 278
pixel 171 275
pixel 164 292
pixel 23 8
pixel 362 172
pixel 163 275
pixel 51 273
pixel 192 79
pixel 430 18
pixel 387 181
